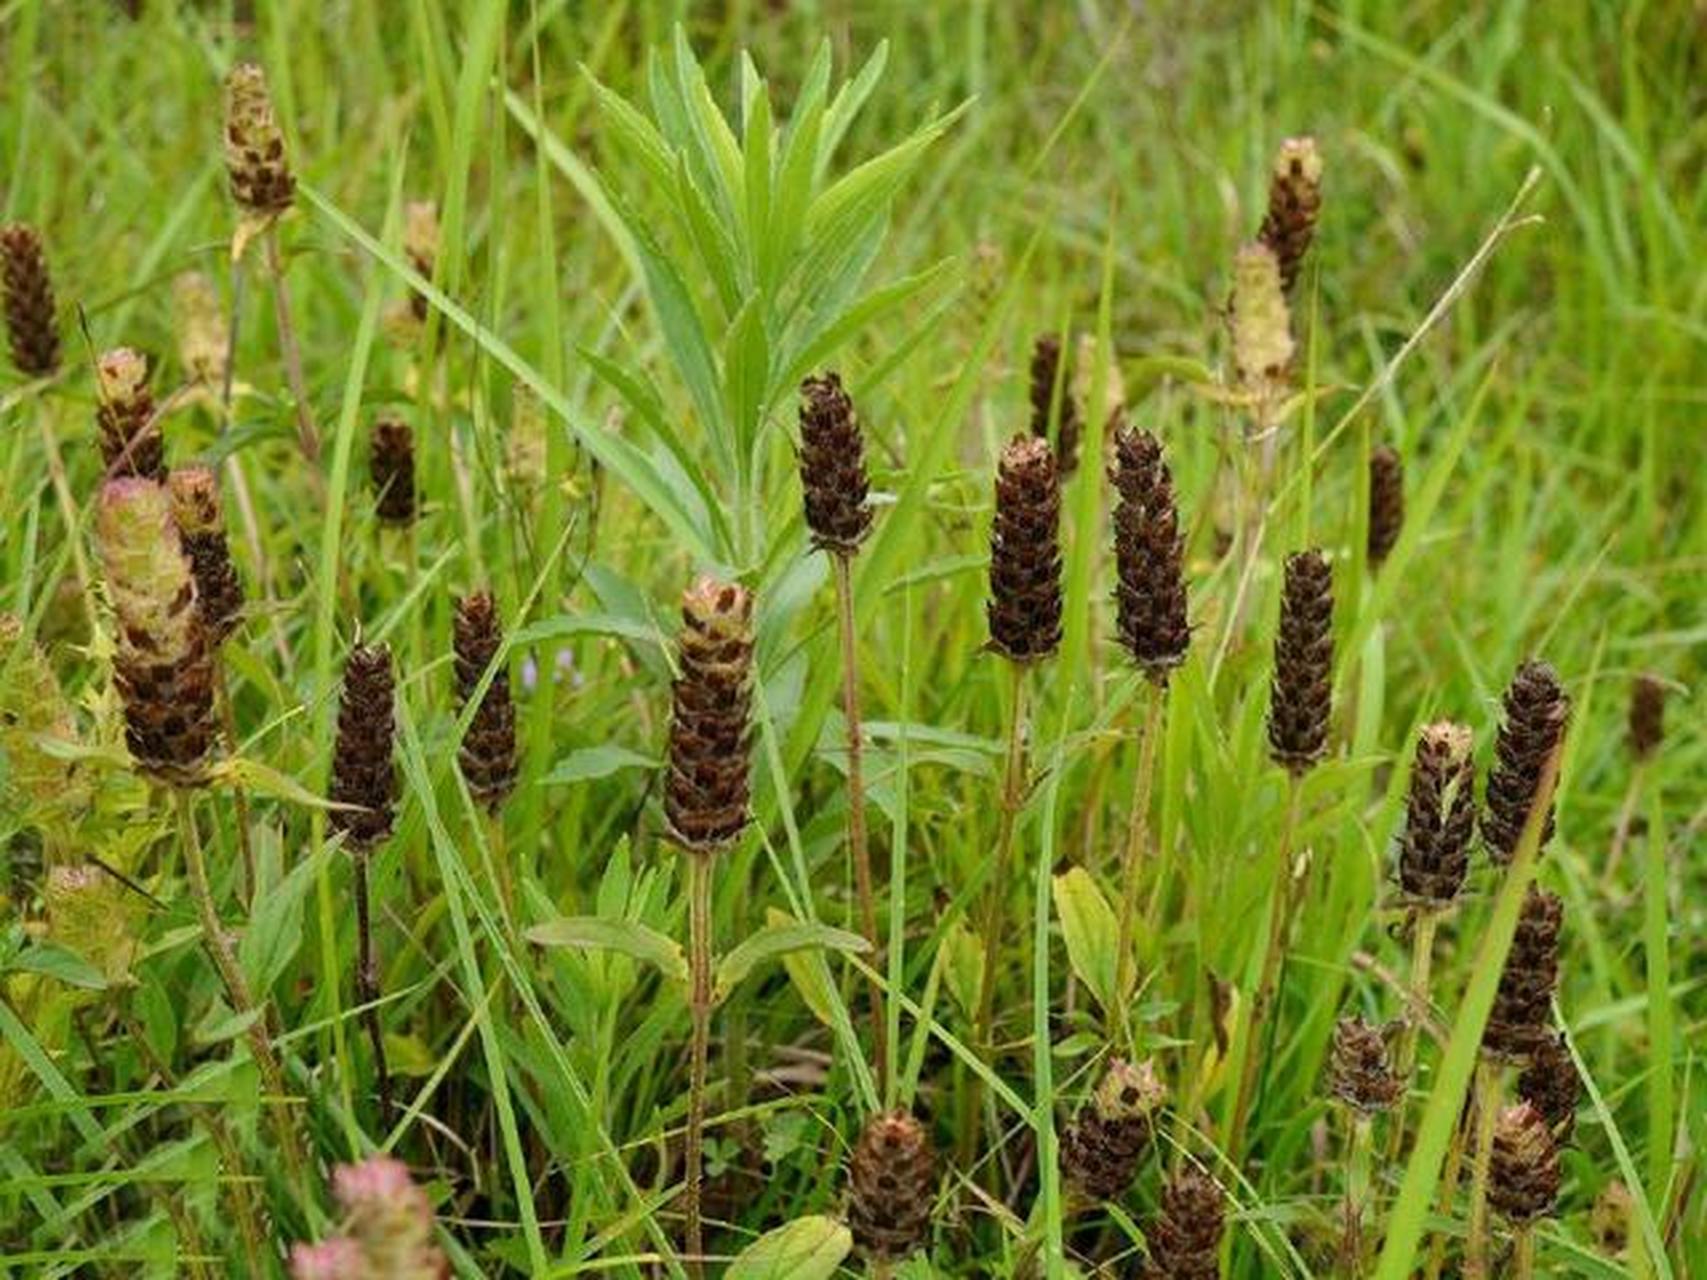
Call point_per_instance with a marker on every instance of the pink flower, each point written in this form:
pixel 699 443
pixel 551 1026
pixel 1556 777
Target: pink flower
pixel 339 1258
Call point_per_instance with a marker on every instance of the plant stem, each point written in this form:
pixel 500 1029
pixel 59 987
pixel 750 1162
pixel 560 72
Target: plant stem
pixel 1282 900
pixel 1450 1173
pixel 1424 921
pixel 239 794
pixel 307 437
pixel 1137 838
pixel 857 842
pixel 1013 795
pixel 1523 1253
pixel 1357 1181
pixel 237 991
pixel 367 983
pixel 1490 1082
pixel 699 964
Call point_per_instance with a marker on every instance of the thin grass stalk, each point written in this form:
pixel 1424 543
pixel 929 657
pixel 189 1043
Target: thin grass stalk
pixel 1282 901
pixel 699 964
pixel 239 793
pixel 858 843
pixel 1523 1253
pixel 1137 839
pixel 367 983
pixel 307 435
pixel 1424 923
pixel 237 991
pixel 69 511
pixel 1489 1097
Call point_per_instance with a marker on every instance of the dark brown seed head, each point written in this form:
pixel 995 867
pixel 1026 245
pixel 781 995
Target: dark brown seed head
pixel 1185 1239
pixel 1301 693
pixel 32 327
pixel 1047 370
pixel 261 180
pixel 706 792
pixel 1294 202
pixel 891 1185
pixel 1386 502
pixel 131 443
pixel 1522 1016
pixel 1524 1175
pixel 201 524
pixel 1440 816
pixel 488 754
pixel 1359 1073
pixel 1110 1135
pixel 1536 712
pixel 1024 610
pixel 363 775
pixel 832 467
pixel 1551 1085
pixel 163 665
pixel 391 463
pixel 1647 715
pixel 1149 554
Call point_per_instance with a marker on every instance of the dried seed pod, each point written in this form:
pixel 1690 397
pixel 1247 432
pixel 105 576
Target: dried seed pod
pixel 1185 1240
pixel 94 915
pixel 131 443
pixel 1536 712
pixel 163 666
pixel 1149 557
pixel 1386 502
pixel 488 754
pixel 1524 1174
pixel 1440 816
pixel 204 340
pixel 832 467
pixel 421 246
pixel 255 159
pixel 1294 202
pixel 1301 692
pixel 363 775
pixel 1647 715
pixel 1048 369
pixel 1359 1073
pixel 1024 609
pixel 1261 324
pixel 391 464
pixel 32 325
pixel 1108 1138
pixel 1551 1085
pixel 706 791
pixel 201 523
pixel 891 1181
pixel 1522 1015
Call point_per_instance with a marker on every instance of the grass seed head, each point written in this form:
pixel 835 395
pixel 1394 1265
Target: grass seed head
pixel 1261 325
pixel 1647 716
pixel 1551 1085
pixel 1522 1016
pixel 1536 713
pixel 255 159
pixel 1024 609
pixel 706 791
pixel 1102 1148
pixel 1359 1071
pixel 488 753
pixel 391 464
pixel 203 337
pixel 163 664
pixel 1294 203
pixel 131 443
pixel 1386 502
pixel 1301 693
pixel 832 467
pixel 891 1185
pixel 1524 1173
pixel 201 523
pixel 32 325
pixel 1046 371
pixel 363 775
pixel 1440 816
pixel 1185 1238
pixel 1149 557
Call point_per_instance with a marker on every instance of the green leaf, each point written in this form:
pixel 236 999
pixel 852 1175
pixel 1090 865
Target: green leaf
pixel 1091 930
pixel 746 371
pixel 963 966
pixel 629 937
pixel 56 962
pixel 778 940
pixel 809 1248
pixel 809 974
pixel 275 928
pixel 596 762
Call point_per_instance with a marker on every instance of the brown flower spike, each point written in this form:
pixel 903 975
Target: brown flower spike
pixel 1185 1240
pixel 1048 369
pixel 706 790
pixel 391 464
pixel 1150 603
pixel 1536 712
pixel 363 775
pixel 163 666
pixel 1386 502
pixel 1359 1073
pixel 32 326
pixel 1107 1140
pixel 1647 716
pixel 1294 203
pixel 1440 816
pixel 832 467
pixel 255 159
pixel 201 524
pixel 1301 693
pixel 891 1180
pixel 1522 1016
pixel 1551 1085
pixel 1524 1175
pixel 488 754
pixel 131 443
pixel 1024 609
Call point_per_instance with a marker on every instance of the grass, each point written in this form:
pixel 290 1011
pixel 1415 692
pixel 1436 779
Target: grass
pixel 1504 286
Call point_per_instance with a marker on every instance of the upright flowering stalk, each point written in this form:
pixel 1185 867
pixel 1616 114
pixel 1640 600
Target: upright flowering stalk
pixel 1185 1239
pixel 1537 710
pixel 1524 1183
pixel 1386 503
pixel 1294 204
pixel 26 290
pixel 891 1187
pixel 131 443
pixel 1053 400
pixel 705 807
pixel 391 466
pixel 1360 1077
